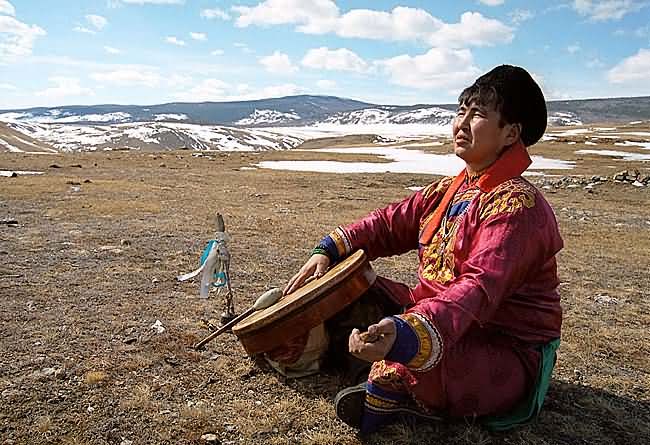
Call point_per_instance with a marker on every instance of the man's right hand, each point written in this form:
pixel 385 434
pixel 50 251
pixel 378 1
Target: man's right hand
pixel 316 266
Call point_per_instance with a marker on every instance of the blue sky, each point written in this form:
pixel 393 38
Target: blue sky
pixel 74 52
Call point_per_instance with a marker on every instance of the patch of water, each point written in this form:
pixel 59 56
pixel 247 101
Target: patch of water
pixel 643 145
pixel 624 155
pixel 403 161
pixel 9 173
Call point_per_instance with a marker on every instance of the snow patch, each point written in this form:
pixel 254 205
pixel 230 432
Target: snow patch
pixel 624 155
pixel 10 147
pixel 403 161
pixel 10 173
pixel 259 117
pixel 170 117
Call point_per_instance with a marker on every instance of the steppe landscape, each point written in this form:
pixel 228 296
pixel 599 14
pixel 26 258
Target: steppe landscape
pixel 91 249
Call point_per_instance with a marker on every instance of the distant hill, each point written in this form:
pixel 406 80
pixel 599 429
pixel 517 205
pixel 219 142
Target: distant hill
pixel 614 110
pixel 306 110
pixel 276 111
pixel 254 125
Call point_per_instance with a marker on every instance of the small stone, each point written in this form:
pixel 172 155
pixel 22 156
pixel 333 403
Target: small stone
pixel 209 437
pixel 47 372
pixel 638 184
pixel 125 242
pixel 158 327
pixel 605 299
pixel 154 280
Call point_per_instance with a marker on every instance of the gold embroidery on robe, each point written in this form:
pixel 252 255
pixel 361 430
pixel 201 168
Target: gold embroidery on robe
pixel 509 197
pixel 438 259
pixel 384 374
pixel 438 256
pixel 436 187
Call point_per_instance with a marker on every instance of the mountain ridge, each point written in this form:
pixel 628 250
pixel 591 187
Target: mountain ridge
pixel 304 110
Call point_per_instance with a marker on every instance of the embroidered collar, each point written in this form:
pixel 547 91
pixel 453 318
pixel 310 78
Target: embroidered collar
pixel 471 178
pixel 511 164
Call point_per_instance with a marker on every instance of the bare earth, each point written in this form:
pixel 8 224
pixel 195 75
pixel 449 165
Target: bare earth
pixel 90 262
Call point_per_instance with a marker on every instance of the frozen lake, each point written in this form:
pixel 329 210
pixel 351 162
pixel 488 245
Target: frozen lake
pixel 401 161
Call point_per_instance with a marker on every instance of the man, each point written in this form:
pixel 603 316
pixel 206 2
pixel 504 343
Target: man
pixel 479 334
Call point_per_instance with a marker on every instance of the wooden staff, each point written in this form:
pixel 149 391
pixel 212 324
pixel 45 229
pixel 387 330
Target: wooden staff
pixel 267 299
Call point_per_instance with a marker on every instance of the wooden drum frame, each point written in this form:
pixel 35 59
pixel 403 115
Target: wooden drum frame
pixel 297 313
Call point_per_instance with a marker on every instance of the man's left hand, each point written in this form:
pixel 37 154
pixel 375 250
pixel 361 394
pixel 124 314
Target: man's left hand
pixel 385 334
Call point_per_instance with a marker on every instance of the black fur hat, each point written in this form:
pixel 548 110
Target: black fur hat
pixel 514 93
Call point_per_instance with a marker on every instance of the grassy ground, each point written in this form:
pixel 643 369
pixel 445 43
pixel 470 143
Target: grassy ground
pixel 100 237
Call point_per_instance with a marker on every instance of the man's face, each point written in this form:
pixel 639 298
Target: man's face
pixel 478 136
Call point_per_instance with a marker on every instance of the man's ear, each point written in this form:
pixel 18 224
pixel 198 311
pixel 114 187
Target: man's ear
pixel 513 134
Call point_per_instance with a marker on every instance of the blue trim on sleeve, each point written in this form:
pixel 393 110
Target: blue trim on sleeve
pixel 407 343
pixel 329 245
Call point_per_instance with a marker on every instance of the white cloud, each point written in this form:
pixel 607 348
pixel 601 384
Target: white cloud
pixel 174 41
pixel 603 10
pixel 287 89
pixel 179 81
pixel 7 86
pixel 218 52
pixel 473 29
pixel 518 16
pixel 492 2
pixel 572 49
pixel 218 90
pixel 111 50
pixel 400 24
pixel 17 38
pixel 201 36
pixel 326 84
pixel 341 59
pixel 310 15
pixel 83 29
pixel 207 90
pixel 64 87
pixel 634 69
pixel 97 21
pixel 278 63
pixel 133 76
pixel 595 63
pixel 215 13
pixel 7 8
pixel 439 68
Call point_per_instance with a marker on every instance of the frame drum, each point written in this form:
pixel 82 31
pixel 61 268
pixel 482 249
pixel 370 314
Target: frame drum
pixel 307 307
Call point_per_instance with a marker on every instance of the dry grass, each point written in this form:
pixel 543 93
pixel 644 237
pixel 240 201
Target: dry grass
pixel 86 273
pixel 95 377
